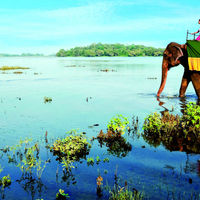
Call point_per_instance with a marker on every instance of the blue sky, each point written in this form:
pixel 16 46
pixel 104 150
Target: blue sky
pixel 45 26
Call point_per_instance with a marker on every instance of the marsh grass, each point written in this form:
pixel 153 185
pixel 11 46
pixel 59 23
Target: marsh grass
pixel 12 68
pixel 25 155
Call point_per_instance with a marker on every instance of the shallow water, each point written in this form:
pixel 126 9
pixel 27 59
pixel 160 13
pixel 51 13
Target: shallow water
pixel 83 95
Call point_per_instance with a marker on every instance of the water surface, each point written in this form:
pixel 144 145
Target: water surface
pixel 84 94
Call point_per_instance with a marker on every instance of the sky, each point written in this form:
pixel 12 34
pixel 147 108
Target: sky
pixel 46 26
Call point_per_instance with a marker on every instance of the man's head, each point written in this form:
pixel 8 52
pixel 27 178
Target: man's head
pixel 199 21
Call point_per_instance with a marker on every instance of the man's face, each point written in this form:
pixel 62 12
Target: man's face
pixel 199 21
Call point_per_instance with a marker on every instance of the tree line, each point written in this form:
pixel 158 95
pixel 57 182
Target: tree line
pixel 99 49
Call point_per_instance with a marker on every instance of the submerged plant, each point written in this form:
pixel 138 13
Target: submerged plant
pixel 71 148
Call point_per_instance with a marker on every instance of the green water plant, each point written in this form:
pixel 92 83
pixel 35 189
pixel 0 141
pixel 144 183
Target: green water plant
pixel 71 148
pixel 5 181
pixel 25 155
pixel 98 160
pixel 47 99
pixel 61 195
pixel 175 132
pixel 118 124
pixel 90 161
pixel 123 193
pixel 106 160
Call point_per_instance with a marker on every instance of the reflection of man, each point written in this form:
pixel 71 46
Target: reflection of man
pixel 198 38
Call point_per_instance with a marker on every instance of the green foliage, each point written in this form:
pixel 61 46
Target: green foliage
pixel 106 160
pixel 71 148
pixel 95 50
pixel 118 124
pixel 90 161
pixel 175 132
pixel 98 159
pixel 5 181
pixel 191 118
pixel 61 195
pixel 124 194
pixel 25 155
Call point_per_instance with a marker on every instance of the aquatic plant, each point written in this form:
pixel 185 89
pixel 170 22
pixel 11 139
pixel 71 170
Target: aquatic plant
pixel 123 193
pixel 117 145
pixel 47 99
pixel 5 181
pixel 191 119
pixel 90 161
pixel 99 186
pixel 118 124
pixel 61 195
pixel 98 160
pixel 173 131
pixel 106 160
pixel 71 148
pixel 25 155
pixel 12 67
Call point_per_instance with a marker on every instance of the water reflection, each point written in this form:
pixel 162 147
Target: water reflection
pixel 117 145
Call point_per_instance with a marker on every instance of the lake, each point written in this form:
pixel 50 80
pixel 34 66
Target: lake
pixel 87 92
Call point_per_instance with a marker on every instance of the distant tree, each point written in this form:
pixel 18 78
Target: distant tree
pixel 100 49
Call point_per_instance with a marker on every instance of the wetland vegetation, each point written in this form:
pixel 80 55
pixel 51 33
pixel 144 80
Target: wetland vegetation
pixel 106 155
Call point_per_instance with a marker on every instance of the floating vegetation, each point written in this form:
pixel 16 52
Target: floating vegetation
pixel 108 70
pixel 5 181
pixel 71 148
pixel 90 161
pixel 176 133
pixel 152 78
pixel 106 160
pixel 98 160
pixel 61 195
pixel 47 99
pixel 12 68
pixel 17 72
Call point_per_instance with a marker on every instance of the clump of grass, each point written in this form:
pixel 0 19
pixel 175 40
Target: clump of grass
pixel 71 148
pixel 173 131
pixel 12 68
pixel 47 99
